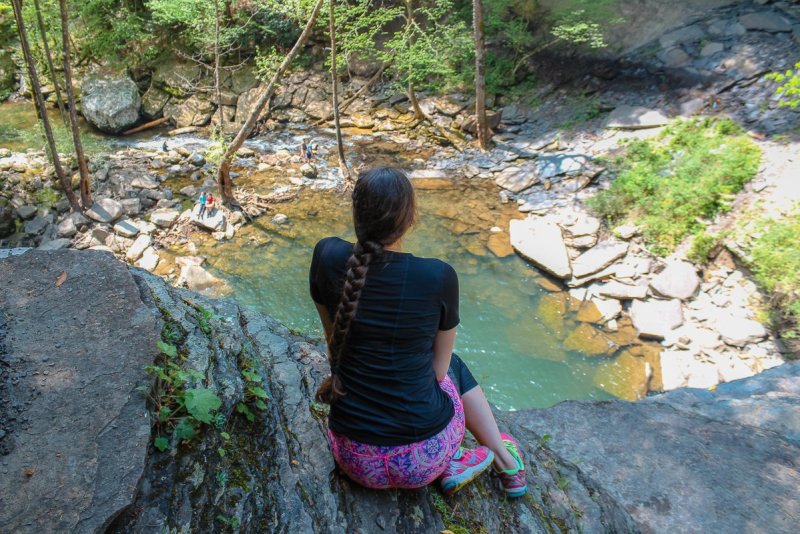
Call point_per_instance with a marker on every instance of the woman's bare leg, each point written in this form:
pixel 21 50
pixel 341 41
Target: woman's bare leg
pixel 480 421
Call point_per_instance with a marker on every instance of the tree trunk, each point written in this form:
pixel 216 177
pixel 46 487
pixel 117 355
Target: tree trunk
pixel 480 75
pixel 217 68
pixel 335 80
pixel 412 97
pixel 86 194
pixel 223 175
pixel 36 89
pixel 49 58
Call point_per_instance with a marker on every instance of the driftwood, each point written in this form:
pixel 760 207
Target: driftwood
pixel 255 204
pixel 146 126
pixel 180 131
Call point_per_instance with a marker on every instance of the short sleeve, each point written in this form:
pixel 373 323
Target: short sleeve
pixel 448 318
pixel 314 273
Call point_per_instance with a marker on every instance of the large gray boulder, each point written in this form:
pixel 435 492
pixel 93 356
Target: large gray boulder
pixel 105 210
pixel 213 220
pixel 74 432
pixel 111 105
pixel 542 243
pixel 691 460
pixel 7 221
pixel 196 111
pixel 636 118
pixel 196 278
pixel 765 21
pixel 678 281
pixel 739 331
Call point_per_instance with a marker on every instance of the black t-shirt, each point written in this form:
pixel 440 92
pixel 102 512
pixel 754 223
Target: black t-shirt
pixel 393 397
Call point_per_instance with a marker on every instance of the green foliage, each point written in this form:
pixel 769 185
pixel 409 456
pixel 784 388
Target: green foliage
pixel 581 22
pixel 359 25
pixel 702 247
pixel 449 518
pixel 670 184
pixel 179 410
pixel 46 196
pixel 254 394
pixel 8 30
pixel 267 61
pixel 430 49
pixel 108 30
pixel 789 91
pixel 200 402
pixel 776 264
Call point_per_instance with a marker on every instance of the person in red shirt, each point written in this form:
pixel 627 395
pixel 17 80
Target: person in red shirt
pixel 210 204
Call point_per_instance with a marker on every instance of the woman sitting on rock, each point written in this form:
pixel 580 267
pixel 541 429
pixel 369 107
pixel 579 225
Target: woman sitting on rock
pixel 400 399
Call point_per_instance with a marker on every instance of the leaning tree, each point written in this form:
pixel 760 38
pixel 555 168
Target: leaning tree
pixel 36 89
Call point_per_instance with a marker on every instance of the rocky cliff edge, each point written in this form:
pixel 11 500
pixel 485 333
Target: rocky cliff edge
pixel 77 453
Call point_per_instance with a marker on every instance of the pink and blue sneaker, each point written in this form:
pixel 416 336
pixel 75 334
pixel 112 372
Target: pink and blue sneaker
pixel 465 467
pixel 514 483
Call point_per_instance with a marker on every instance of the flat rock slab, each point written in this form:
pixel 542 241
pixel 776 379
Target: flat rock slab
pixel 636 118
pixel 679 471
pixel 765 21
pixel 656 318
pixel 516 179
pixel 76 431
pixel 542 243
pixel 598 258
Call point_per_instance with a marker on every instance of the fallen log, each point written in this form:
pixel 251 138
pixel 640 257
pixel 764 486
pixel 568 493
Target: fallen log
pixel 146 126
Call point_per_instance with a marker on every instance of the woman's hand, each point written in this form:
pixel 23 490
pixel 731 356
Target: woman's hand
pixel 442 352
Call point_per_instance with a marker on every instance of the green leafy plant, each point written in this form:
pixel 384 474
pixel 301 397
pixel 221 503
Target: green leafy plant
pixel 776 264
pixel 702 247
pixel 789 91
pixel 672 185
pixel 179 410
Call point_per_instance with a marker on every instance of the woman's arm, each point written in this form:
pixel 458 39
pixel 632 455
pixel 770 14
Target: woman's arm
pixel 327 323
pixel 442 352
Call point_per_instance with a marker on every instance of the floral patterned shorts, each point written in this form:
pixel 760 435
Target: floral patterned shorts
pixel 402 466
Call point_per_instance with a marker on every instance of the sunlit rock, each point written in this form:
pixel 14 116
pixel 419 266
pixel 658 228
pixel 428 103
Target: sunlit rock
pixel 541 242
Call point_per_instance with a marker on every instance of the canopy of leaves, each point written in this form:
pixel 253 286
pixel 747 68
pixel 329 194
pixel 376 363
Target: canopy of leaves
pixel 430 47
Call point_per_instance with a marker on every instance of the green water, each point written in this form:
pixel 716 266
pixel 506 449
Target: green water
pixel 510 334
pixel 519 362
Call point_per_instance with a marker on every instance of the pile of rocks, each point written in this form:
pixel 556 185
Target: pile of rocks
pixel 707 327
pixel 133 215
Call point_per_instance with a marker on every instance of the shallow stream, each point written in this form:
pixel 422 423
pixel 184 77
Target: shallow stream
pixel 512 330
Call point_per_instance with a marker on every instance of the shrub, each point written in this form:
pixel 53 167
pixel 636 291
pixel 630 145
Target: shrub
pixel 670 185
pixel 789 91
pixel 776 264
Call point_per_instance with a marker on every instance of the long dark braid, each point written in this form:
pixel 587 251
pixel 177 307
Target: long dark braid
pixel 383 210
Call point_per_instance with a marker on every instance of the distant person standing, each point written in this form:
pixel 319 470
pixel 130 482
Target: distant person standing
pixel 202 200
pixel 306 150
